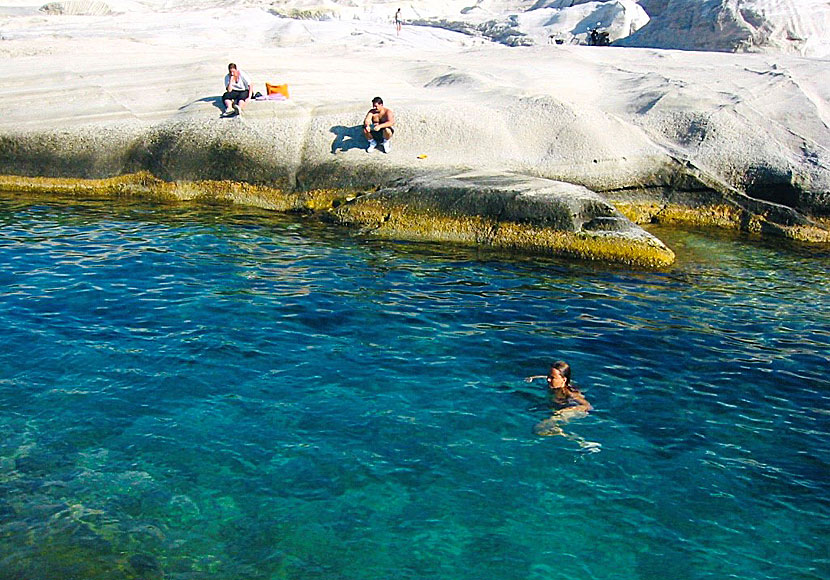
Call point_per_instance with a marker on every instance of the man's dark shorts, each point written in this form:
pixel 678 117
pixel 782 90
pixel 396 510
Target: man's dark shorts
pixel 235 96
pixel 378 135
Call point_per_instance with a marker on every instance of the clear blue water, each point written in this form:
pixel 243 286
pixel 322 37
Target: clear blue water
pixel 210 392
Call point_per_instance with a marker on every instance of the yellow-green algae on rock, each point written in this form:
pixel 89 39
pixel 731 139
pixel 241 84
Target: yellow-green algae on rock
pixel 639 252
pixel 144 184
pixel 444 214
pixel 720 215
pixel 404 223
pixel 724 216
pixel 137 184
pixel 379 216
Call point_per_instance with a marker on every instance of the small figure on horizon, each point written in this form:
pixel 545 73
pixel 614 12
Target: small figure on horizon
pixel 398 21
pixel 568 401
pixel 378 125
pixel 238 90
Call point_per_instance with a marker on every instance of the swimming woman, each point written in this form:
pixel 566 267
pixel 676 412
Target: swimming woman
pixel 568 401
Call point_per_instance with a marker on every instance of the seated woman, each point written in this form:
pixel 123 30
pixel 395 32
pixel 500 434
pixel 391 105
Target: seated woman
pixel 238 91
pixel 565 398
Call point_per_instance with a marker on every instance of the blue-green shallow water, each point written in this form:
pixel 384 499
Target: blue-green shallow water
pixel 220 393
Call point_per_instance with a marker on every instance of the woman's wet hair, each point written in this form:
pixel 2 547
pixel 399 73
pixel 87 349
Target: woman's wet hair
pixel 231 66
pixel 564 370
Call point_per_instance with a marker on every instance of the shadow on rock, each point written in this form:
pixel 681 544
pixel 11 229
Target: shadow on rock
pixel 216 101
pixel 347 138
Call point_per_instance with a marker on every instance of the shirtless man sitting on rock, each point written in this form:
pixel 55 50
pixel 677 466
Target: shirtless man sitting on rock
pixel 378 125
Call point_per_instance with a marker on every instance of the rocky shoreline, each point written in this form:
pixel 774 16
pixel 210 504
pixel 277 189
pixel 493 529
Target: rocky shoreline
pixel 498 209
pixel 192 160
pixel 552 148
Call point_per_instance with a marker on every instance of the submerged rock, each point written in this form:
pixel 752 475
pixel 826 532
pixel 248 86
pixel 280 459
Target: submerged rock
pixel 146 566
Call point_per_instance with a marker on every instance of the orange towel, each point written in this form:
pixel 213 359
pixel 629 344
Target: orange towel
pixel 281 89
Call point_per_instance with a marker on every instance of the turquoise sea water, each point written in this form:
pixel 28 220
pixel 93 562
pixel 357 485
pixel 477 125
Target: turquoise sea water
pixel 200 392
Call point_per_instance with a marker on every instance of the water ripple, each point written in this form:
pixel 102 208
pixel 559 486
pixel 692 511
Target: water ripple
pixel 218 392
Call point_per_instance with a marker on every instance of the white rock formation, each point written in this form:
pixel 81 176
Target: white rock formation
pixel 96 93
pixel 798 26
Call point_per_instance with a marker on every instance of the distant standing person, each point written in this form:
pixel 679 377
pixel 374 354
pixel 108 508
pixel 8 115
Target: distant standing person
pixel 378 125
pixel 398 21
pixel 238 90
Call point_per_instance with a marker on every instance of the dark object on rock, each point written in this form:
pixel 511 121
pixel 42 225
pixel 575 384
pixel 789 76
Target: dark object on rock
pixel 597 38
